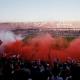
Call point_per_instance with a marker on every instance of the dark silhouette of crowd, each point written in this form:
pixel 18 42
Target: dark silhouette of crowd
pixel 18 69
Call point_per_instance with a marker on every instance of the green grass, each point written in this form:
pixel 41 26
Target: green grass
pixel 70 38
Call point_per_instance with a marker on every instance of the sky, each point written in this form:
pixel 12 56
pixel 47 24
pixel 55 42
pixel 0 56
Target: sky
pixel 39 10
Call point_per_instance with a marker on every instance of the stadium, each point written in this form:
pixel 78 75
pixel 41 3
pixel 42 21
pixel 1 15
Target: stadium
pixel 39 39
pixel 40 54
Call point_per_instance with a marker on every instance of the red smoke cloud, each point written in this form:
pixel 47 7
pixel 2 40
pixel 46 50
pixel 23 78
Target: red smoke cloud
pixel 74 49
pixel 13 48
pixel 45 48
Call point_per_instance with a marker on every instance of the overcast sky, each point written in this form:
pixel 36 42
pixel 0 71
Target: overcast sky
pixel 39 10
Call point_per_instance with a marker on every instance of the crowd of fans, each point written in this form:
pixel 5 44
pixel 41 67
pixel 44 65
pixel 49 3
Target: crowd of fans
pixel 18 69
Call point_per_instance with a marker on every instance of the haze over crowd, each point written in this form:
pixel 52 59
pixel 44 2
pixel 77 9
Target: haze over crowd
pixel 43 47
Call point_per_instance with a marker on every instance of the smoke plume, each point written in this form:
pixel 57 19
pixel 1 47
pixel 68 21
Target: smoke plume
pixel 43 47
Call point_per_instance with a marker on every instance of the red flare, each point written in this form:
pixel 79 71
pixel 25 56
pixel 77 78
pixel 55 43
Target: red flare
pixel 44 48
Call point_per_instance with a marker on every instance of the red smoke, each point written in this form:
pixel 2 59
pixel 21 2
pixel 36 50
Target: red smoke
pixel 45 48
pixel 13 48
pixel 74 49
